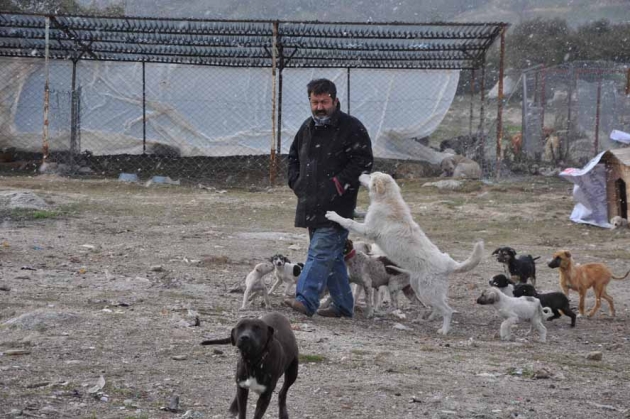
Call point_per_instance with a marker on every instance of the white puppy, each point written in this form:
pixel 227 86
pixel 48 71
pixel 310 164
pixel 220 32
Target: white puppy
pixel 618 222
pixel 514 310
pixel 389 224
pixel 254 284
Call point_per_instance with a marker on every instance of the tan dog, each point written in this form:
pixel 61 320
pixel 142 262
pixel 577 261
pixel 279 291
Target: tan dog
pixel 460 167
pixel 582 277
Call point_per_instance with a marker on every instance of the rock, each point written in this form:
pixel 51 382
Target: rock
pixel 173 404
pixel 444 184
pixel 179 357
pixel 399 326
pixel 17 352
pixel 5 288
pixel 98 387
pixel 157 268
pixel 594 356
pixel 541 373
pixel 217 351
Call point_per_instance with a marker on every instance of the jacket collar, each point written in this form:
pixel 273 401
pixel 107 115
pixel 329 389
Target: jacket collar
pixel 334 119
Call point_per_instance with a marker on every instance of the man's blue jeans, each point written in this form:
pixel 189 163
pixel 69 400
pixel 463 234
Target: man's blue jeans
pixel 325 267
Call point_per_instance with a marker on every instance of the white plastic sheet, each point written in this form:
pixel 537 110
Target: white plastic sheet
pixel 589 193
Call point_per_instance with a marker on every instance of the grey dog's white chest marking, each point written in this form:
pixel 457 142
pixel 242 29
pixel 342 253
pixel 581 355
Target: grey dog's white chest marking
pixel 253 385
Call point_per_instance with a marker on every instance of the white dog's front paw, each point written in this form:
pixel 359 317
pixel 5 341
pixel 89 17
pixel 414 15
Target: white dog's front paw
pixel 442 331
pixel 333 216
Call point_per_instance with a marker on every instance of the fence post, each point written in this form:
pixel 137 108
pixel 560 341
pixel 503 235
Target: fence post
pixel 472 97
pixel 482 98
pixel 272 160
pixel 348 85
pixel 46 95
pixel 144 111
pixel 599 101
pixel 73 116
pixel 525 146
pixel 569 114
pixel 542 106
pixel 500 104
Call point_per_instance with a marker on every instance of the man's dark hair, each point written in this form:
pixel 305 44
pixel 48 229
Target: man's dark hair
pixel 322 86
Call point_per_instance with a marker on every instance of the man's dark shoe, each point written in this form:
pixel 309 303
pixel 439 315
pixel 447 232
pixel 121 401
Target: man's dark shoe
pixel 328 312
pixel 296 305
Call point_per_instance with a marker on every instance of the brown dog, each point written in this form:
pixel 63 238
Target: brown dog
pixel 582 277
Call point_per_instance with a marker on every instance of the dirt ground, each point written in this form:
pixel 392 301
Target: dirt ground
pixel 107 281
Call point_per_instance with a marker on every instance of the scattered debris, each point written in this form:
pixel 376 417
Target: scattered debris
pixel 179 357
pixel 542 373
pixel 399 326
pixel 156 268
pixel 444 184
pixel 17 352
pixel 594 356
pixel 128 177
pixel 98 387
pixel 398 313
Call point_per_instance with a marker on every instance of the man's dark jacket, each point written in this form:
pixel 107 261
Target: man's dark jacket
pixel 325 163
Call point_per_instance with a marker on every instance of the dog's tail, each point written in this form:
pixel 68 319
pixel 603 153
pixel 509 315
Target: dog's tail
pixel 223 341
pixel 620 277
pixel 536 258
pixel 546 312
pixel 472 261
pixel 397 269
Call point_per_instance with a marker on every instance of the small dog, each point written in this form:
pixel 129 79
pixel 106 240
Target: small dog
pixel 268 350
pixel 556 301
pixel 370 273
pixel 515 309
pixel 522 268
pixel 460 167
pixel 582 277
pixel 503 283
pixel 285 272
pixel 389 224
pixel 254 284
pixel 618 222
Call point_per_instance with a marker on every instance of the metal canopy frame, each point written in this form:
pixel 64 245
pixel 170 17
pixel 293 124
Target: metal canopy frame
pixel 249 43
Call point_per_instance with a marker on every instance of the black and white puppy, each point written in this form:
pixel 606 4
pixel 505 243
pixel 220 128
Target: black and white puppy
pixel 503 283
pixel 513 310
pixel 268 350
pixel 520 268
pixel 556 301
pixel 285 272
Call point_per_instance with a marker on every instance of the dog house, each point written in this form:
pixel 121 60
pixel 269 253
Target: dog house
pixel 617 164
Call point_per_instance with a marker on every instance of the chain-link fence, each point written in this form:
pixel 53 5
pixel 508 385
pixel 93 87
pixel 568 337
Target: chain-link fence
pixel 570 110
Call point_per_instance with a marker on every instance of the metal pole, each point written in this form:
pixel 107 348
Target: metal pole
pixel 569 114
pixel 599 101
pixel 472 97
pixel 144 111
pixel 348 84
pixel 46 96
pixel 73 116
pixel 542 105
pixel 525 146
pixel 482 98
pixel 279 140
pixel 500 104
pixel 274 51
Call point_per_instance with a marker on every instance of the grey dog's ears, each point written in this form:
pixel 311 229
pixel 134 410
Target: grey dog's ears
pixel 233 337
pixel 270 332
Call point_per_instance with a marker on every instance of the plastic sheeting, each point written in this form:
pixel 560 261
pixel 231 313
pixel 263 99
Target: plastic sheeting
pixel 215 111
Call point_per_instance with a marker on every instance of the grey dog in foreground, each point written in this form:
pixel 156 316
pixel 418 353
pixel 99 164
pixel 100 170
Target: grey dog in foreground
pixel 268 350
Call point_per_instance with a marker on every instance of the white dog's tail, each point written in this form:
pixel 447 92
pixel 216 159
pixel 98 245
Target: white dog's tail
pixel 399 269
pixel 547 312
pixel 472 261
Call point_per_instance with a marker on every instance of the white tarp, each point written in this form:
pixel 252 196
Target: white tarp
pixel 215 111
pixel 589 193
pixel 622 137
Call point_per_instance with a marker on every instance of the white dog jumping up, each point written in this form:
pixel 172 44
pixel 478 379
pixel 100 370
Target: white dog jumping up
pixel 514 310
pixel 389 224
pixel 254 284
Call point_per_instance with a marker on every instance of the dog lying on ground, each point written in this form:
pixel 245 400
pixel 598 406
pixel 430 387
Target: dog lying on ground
pixel 268 350
pixel 389 224
pixel 285 272
pixel 556 301
pixel 582 277
pixel 460 167
pixel 514 310
pixel 618 222
pixel 505 285
pixel 254 284
pixel 520 268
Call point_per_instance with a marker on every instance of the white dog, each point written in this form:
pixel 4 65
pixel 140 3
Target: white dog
pixel 389 224
pixel 618 222
pixel 515 309
pixel 254 284
pixel 285 272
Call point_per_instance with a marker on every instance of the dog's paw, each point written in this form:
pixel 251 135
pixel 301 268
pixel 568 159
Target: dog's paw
pixel 442 331
pixel 333 216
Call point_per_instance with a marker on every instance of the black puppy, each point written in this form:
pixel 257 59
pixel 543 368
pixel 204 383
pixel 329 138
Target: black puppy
pixel 556 301
pixel 268 349
pixel 521 268
pixel 503 283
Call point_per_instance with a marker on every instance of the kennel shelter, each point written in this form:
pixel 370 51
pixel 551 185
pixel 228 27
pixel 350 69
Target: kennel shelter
pixel 617 163
pixel 187 97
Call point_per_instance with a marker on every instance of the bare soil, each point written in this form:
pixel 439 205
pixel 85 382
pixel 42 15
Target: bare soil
pixel 107 280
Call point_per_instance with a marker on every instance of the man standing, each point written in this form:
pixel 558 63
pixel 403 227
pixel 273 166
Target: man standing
pixel 329 153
